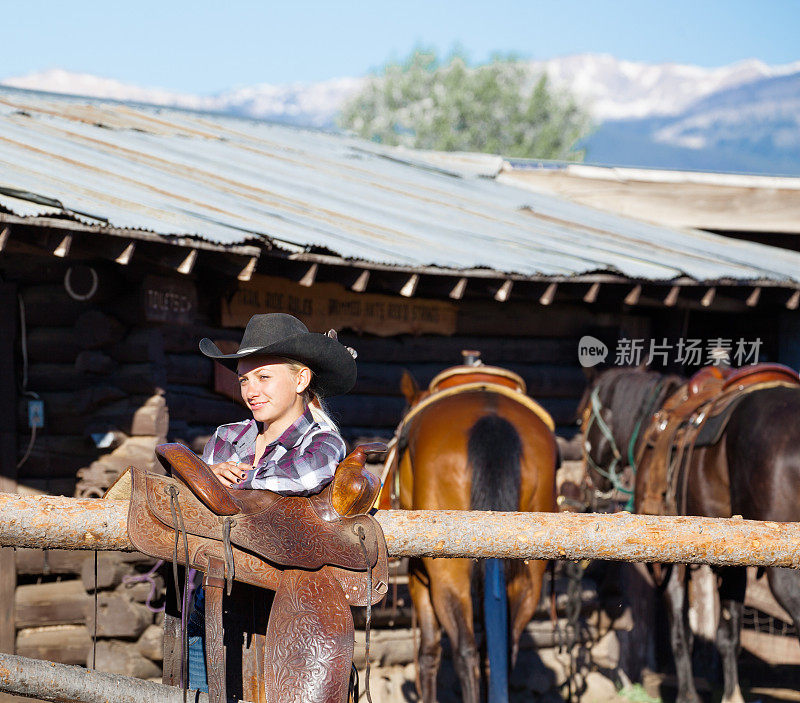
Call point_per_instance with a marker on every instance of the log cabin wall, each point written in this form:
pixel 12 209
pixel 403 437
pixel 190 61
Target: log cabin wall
pixel 539 343
pixel 8 454
pixel 98 372
pixel 103 371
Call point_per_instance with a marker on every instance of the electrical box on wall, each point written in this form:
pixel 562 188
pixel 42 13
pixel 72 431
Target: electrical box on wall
pixel 35 413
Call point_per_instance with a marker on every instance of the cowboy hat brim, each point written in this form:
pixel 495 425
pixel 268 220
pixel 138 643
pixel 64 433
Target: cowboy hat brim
pixel 333 365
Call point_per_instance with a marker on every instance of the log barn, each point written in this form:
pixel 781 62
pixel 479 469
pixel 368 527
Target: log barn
pixel 127 233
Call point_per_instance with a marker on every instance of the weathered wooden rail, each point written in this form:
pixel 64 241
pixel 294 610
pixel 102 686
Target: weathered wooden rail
pixel 69 523
pixel 59 682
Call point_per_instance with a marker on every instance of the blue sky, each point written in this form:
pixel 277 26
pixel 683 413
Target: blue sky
pixel 205 47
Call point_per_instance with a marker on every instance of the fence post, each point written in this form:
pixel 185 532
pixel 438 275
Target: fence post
pixel 8 455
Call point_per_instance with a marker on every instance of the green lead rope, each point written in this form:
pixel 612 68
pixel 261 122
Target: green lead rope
pixel 611 474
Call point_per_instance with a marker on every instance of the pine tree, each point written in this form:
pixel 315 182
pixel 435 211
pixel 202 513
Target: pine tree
pixel 500 108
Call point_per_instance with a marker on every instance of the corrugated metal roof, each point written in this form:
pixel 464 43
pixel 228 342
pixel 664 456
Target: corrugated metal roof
pixel 230 181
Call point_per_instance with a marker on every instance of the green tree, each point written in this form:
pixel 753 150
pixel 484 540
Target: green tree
pixel 501 108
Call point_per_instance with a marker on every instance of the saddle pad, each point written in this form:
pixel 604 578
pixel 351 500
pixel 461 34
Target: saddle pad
pixel 154 535
pixel 459 375
pixel 712 429
pixel 516 396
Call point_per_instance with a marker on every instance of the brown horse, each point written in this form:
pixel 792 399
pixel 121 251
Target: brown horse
pixel 750 467
pixel 474 441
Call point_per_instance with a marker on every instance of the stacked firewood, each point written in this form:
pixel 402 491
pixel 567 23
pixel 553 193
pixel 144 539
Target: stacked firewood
pixel 55 610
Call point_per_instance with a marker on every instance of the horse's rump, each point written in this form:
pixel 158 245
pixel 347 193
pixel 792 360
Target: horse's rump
pixel 763 449
pixel 497 430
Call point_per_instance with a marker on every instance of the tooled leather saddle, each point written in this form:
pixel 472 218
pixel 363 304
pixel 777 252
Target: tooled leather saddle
pixel 319 554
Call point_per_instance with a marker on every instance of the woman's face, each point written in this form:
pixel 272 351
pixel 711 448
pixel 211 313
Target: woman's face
pixel 271 389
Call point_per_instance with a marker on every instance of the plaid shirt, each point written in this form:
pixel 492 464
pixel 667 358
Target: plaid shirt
pixel 300 462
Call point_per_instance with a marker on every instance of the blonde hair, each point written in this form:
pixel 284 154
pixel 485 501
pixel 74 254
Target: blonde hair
pixel 310 399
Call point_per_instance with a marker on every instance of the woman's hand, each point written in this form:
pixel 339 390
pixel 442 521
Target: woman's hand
pixel 230 473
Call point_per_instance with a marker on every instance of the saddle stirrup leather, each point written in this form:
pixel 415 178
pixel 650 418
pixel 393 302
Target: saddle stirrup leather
pixel 320 555
pixel 214 582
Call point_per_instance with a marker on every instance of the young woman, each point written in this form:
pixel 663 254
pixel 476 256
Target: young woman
pixel 290 445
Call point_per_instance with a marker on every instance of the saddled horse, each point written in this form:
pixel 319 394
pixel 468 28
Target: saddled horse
pixel 473 441
pixel 725 443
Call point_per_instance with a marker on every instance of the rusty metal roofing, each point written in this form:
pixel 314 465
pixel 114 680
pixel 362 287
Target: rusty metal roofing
pixel 230 181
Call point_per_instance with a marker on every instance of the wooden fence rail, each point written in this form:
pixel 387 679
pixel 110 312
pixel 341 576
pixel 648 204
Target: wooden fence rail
pixel 69 523
pixel 48 681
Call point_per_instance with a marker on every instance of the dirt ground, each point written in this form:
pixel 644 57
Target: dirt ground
pixel 395 684
pixel 593 675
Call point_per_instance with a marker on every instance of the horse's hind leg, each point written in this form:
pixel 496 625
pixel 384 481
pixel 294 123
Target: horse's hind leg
pixel 524 591
pixel 452 599
pixel 675 596
pixel 785 586
pixel 733 582
pixel 430 648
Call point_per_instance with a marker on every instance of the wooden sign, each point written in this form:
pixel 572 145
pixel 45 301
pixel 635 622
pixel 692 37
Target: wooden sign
pixel 325 306
pixel 169 300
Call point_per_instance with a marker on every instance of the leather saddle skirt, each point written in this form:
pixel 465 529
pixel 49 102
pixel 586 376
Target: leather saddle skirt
pixel 271 534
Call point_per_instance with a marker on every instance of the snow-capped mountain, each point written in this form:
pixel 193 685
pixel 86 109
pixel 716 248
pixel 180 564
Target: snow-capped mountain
pixel 759 111
pixel 59 81
pixel 311 104
pixel 609 87
pixel 743 117
pixel 616 89
pixel 753 127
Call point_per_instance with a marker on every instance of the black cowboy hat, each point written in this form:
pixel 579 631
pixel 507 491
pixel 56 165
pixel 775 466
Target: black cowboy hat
pixel 279 334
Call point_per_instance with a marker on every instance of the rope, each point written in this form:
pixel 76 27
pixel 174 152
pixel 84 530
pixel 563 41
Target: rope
pixel 148 577
pixel 362 535
pixel 94 631
pixel 177 523
pixel 596 407
pixel 611 474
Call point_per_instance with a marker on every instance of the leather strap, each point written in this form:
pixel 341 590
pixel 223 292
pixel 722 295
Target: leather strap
pixel 214 583
pixel 171 675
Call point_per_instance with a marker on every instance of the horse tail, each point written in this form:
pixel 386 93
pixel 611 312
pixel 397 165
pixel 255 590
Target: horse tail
pixel 494 454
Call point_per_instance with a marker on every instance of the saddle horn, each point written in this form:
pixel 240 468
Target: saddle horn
pixel 196 474
pixel 354 489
